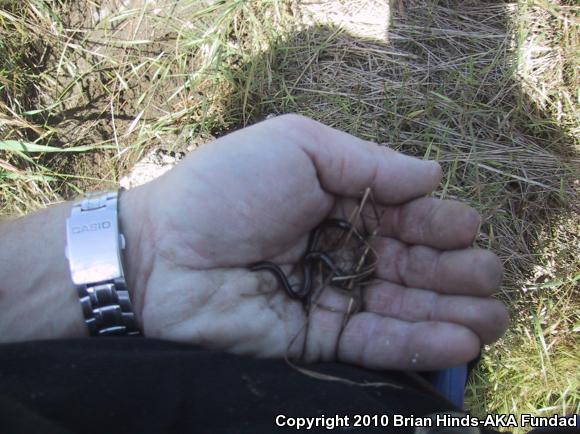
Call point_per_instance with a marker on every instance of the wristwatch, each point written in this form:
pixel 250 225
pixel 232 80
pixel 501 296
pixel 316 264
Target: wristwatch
pixel 94 246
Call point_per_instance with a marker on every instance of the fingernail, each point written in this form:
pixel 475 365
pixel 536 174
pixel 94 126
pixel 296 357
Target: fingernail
pixel 436 169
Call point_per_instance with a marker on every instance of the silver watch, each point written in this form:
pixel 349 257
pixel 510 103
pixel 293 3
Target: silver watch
pixel 94 246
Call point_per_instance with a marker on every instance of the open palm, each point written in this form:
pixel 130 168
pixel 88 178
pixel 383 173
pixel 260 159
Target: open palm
pixel 255 195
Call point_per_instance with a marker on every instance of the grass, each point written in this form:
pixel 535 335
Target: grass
pixel 122 83
pixel 533 369
pixel 490 89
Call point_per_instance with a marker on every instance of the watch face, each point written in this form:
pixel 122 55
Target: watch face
pixel 93 244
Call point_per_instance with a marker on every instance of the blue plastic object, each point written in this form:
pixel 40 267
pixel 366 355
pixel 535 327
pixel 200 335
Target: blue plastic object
pixel 451 383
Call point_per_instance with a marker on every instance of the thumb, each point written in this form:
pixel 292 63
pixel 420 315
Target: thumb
pixel 346 165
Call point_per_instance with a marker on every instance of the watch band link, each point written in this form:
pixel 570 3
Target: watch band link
pixel 107 309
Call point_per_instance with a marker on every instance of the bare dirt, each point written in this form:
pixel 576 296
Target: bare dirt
pixel 108 87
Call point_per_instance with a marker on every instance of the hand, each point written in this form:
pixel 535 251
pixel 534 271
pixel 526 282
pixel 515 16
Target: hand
pixel 255 195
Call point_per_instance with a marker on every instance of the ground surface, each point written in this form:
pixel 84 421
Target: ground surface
pixel 488 88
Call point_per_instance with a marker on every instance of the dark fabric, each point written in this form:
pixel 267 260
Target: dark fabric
pixel 136 385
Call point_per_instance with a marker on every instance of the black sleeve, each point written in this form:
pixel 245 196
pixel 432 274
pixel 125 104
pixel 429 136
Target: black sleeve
pixel 137 385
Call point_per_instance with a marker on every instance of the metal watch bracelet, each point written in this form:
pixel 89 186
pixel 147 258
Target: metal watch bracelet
pixel 94 246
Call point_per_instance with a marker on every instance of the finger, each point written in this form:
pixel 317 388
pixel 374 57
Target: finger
pixel 347 165
pixel 486 317
pixel 474 272
pixel 379 342
pixel 443 224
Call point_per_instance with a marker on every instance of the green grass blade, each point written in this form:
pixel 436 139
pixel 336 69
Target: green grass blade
pixel 18 146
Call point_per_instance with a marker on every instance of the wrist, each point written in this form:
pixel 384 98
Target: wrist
pixel 137 256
